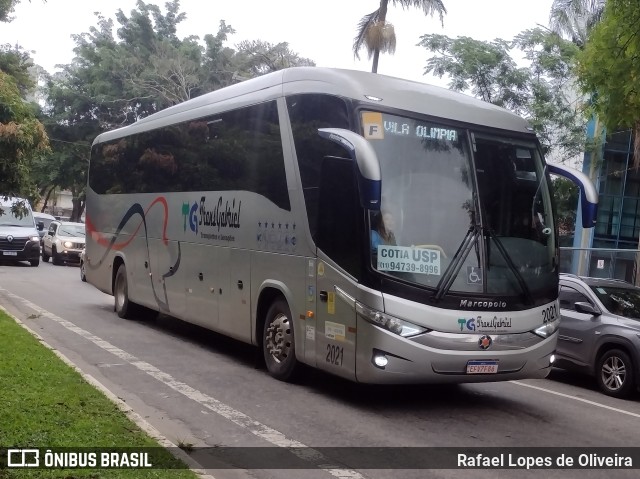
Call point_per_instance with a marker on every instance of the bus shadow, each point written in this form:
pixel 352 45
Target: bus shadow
pixel 240 352
pixel 380 399
pixel 572 378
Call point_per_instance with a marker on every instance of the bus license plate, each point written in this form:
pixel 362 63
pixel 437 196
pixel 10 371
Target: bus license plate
pixel 10 253
pixel 482 367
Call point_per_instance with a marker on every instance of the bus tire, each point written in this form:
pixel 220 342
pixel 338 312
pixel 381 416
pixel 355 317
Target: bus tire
pixel 278 342
pixel 123 307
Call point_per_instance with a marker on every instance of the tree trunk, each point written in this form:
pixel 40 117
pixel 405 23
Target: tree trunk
pixel 376 55
pixel 46 199
pixel 78 208
pixel 382 17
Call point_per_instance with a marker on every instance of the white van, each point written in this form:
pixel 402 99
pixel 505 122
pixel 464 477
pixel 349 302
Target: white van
pixel 19 237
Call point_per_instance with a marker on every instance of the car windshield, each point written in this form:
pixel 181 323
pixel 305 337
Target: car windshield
pixel 71 230
pixel 21 219
pixel 621 301
pixel 429 230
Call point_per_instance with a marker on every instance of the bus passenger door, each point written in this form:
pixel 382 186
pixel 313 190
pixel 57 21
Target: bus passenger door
pixel 339 240
pixel 235 300
pixel 335 321
pixel 202 284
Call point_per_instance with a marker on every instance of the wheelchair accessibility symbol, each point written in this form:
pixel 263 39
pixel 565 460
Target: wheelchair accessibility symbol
pixel 474 275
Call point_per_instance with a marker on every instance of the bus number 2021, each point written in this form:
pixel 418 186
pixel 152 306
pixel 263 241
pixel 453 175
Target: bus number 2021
pixel 334 354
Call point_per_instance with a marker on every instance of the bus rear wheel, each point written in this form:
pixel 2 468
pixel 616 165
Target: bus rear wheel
pixel 278 342
pixel 124 308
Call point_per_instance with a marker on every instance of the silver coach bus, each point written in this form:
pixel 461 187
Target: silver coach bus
pixel 382 230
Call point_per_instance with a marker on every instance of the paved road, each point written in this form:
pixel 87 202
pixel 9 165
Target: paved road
pixel 200 388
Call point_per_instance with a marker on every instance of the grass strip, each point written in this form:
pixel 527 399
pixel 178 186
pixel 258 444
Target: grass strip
pixel 44 403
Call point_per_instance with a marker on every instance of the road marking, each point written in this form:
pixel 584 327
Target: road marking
pixel 237 417
pixel 575 398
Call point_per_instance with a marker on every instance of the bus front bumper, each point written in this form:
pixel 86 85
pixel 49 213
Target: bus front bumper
pixel 386 358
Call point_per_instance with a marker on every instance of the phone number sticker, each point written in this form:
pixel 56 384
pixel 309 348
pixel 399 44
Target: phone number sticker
pixel 406 259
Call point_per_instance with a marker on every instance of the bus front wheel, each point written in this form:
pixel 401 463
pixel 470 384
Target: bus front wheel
pixel 278 343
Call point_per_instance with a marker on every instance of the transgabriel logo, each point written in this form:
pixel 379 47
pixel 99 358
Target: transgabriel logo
pixel 225 214
pixel 35 458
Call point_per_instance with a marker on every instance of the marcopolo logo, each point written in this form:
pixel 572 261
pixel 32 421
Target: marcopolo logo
pixel 475 304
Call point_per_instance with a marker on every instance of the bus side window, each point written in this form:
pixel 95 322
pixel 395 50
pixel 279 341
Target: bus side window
pixel 339 222
pixel 307 113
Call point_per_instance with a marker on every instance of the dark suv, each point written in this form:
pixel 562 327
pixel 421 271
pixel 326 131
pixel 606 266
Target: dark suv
pixel 600 331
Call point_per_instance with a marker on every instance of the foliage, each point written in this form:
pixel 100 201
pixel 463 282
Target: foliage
pixel 566 195
pixel 539 92
pixel 575 18
pixel 16 62
pixel 377 35
pixel 22 137
pixel 609 69
pixel 130 68
pixel 6 9
pixel 255 57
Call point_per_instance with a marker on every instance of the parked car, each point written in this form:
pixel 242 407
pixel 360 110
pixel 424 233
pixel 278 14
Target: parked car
pixel 19 238
pixel 83 273
pixel 600 331
pixel 63 242
pixel 46 220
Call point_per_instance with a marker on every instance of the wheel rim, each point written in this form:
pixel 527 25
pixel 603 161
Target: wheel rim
pixel 279 338
pixel 614 373
pixel 120 293
pixel 82 273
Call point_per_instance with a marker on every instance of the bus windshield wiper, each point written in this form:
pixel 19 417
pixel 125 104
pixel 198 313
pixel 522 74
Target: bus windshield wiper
pixel 470 239
pixel 512 267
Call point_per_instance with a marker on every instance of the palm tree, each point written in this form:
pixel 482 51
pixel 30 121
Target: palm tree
pixel 378 35
pixel 575 18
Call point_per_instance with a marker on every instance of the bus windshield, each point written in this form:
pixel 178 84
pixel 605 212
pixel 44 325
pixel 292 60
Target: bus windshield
pixel 460 211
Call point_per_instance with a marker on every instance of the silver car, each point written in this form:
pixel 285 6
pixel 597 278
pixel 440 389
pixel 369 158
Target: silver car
pixel 63 242
pixel 600 331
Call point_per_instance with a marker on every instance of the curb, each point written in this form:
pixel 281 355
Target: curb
pixel 151 431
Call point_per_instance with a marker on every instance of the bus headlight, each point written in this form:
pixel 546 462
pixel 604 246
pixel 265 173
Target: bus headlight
pixel 390 323
pixel 548 329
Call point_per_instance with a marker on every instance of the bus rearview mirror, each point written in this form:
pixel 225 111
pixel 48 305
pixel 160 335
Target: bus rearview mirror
pixel 366 160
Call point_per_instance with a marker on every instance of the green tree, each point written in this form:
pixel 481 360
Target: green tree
pixel 130 68
pixel 7 7
pixel 377 35
pixel 539 91
pixel 255 58
pixel 16 62
pixel 22 137
pixel 566 195
pixel 609 69
pixel 575 18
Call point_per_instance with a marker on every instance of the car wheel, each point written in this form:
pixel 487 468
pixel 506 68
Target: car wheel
pixel 83 275
pixel 278 343
pixel 34 262
pixel 55 259
pixel 614 373
pixel 45 256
